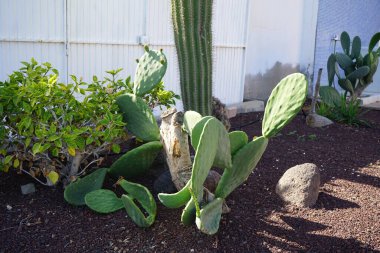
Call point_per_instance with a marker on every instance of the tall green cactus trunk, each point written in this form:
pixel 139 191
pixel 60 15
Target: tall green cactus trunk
pixel 193 40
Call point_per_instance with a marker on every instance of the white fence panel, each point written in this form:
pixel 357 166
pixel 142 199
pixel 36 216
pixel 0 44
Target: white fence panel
pixel 31 28
pixel 102 35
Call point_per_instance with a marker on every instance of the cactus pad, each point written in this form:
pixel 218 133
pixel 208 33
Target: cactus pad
pixel 150 70
pixel 190 119
pixel 139 117
pixel 188 213
pixel 329 95
pixel 223 155
pixel 103 201
pixel 238 139
pixel 76 191
pixel 208 221
pixel 206 149
pixel 243 162
pixel 142 195
pixel 136 161
pixel 177 199
pixel 284 103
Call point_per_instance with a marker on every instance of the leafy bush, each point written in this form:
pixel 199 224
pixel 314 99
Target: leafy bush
pixel 53 129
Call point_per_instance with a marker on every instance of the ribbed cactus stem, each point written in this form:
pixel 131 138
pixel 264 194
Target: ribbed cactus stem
pixel 193 40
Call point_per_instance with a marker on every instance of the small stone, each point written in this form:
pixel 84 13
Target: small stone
pixel 299 185
pixel 28 188
pixel 9 207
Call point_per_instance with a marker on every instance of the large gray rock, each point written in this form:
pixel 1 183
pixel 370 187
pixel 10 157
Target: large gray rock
pixel 300 185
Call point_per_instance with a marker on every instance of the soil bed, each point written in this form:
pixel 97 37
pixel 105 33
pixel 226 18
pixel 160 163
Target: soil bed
pixel 346 217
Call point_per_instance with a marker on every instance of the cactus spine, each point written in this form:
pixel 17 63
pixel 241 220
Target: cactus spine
pixel 193 40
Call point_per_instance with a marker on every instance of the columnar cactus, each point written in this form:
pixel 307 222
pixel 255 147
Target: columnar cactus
pixel 193 40
pixel 358 70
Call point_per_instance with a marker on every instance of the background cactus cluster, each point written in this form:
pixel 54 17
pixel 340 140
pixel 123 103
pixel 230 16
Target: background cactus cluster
pixel 353 70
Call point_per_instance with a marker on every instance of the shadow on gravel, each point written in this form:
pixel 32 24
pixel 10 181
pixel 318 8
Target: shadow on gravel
pixel 329 202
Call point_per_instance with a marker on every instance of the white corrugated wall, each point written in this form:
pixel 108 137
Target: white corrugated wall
pixel 88 37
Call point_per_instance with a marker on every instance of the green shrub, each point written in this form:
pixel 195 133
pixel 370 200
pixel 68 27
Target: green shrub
pixel 57 130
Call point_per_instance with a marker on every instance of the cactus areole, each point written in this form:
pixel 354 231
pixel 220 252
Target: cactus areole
pixel 193 40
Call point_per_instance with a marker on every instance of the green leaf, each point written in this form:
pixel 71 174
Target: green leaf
pixel 16 163
pixel 27 142
pixel 53 177
pixel 53 138
pixel 116 148
pixel 36 148
pixel 71 151
pixel 55 152
pixel 8 159
pixel 45 147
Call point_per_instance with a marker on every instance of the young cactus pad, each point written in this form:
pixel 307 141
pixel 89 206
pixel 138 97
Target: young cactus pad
pixel 136 161
pixel 209 218
pixel 238 139
pixel 206 149
pixel 76 191
pixel 284 103
pixel 150 70
pixel 103 201
pixel 223 155
pixel 243 162
pixel 177 199
pixel 144 197
pixel 190 119
pixel 139 117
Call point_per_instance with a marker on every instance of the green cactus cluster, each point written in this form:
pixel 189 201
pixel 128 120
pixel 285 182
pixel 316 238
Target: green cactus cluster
pixel 353 70
pixel 193 40
pixel 140 121
pixel 213 145
pixel 232 152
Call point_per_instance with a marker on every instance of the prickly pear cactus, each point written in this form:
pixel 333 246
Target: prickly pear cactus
pixel 136 161
pixel 284 103
pixel 176 200
pixel 244 161
pixel 137 192
pixel 76 191
pixel 358 70
pixel 139 117
pixel 238 139
pixel 150 70
pixel 209 217
pixel 103 201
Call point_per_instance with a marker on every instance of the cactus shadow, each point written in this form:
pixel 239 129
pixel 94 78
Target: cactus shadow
pixel 329 202
pixel 301 237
